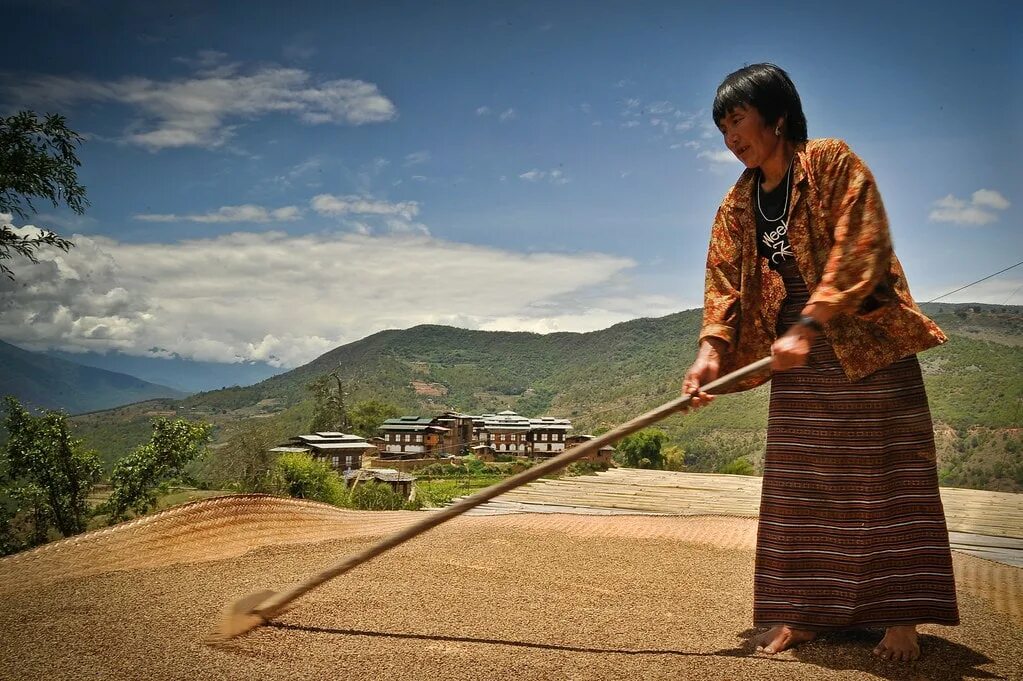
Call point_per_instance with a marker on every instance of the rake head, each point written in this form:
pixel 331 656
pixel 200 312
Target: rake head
pixel 241 616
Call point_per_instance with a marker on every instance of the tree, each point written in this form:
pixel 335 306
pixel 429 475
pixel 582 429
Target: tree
pixel 329 411
pixel 135 477
pixel 643 449
pixel 37 160
pixel 245 461
pixel 47 472
pixel 366 416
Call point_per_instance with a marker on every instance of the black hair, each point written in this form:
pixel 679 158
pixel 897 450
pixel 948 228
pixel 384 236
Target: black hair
pixel 769 90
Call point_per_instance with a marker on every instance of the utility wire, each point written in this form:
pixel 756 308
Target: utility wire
pixel 975 282
pixel 1013 294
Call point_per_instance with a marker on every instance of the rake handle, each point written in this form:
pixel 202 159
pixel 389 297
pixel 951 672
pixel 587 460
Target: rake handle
pixel 277 604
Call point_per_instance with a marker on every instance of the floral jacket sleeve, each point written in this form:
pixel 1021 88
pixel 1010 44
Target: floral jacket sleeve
pixel 839 235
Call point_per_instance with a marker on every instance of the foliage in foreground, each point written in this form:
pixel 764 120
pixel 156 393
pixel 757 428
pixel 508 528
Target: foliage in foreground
pixel 37 160
pixel 137 476
pixel 47 476
pixel 300 476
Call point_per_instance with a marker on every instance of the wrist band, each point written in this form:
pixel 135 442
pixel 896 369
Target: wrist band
pixel 811 323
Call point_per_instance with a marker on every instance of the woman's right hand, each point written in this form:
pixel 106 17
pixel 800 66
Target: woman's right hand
pixel 704 370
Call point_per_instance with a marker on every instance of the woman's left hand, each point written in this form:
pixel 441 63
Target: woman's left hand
pixel 792 349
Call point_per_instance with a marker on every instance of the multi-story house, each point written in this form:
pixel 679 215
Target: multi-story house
pixel 547 436
pixel 412 437
pixel 342 451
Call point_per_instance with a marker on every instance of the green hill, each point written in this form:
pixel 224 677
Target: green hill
pixel 602 378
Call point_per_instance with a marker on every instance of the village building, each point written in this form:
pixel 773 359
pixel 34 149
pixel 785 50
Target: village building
pixel 603 456
pixel 412 437
pixel 506 432
pixel 483 452
pixel 547 436
pixel 342 451
pixel 460 437
pixel 398 481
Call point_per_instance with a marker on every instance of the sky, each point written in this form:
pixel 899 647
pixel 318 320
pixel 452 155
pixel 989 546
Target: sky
pixel 269 181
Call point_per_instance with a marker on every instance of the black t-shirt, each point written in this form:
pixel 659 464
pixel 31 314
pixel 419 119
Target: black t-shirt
pixel 772 221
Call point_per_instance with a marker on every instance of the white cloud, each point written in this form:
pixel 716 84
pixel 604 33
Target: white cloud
pixel 299 171
pixel 203 110
pixel 483 111
pixel 990 198
pixel 244 213
pixel 660 108
pixel 554 176
pixel 722 156
pixel 287 299
pixel 980 210
pixel 336 206
pixel 508 115
pixel 417 157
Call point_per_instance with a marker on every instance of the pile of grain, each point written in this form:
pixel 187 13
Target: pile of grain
pixel 522 596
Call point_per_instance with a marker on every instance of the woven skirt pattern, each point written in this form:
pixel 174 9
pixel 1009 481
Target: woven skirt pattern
pixel 851 530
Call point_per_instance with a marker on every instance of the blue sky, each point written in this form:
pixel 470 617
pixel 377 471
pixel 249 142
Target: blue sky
pixel 270 181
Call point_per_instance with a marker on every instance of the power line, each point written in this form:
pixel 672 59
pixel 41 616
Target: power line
pixel 1012 294
pixel 975 282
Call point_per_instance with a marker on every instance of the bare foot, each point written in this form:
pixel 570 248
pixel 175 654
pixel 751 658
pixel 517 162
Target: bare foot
pixel 899 644
pixel 781 637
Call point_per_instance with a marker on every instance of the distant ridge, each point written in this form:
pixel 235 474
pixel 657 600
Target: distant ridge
pixel 601 378
pixel 42 381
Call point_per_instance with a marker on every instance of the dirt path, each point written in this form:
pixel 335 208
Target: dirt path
pixel 516 596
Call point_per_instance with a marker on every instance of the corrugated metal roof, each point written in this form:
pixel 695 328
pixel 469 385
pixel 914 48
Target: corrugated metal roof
pixel 412 428
pixel 382 474
pixel 341 445
pixel 290 449
pixel 342 437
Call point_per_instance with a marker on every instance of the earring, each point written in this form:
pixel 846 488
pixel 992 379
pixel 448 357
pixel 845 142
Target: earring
pixel 777 131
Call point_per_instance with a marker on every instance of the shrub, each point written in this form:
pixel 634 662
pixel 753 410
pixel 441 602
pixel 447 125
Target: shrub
pixel 300 476
pixel 372 495
pixel 739 466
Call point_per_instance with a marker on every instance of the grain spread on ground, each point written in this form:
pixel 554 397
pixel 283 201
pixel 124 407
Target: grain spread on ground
pixel 483 597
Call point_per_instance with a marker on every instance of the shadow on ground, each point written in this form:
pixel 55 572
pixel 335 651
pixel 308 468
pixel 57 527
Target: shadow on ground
pixel 737 652
pixel 852 650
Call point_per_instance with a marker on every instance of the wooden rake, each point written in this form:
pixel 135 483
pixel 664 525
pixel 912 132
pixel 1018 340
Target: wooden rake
pixel 260 607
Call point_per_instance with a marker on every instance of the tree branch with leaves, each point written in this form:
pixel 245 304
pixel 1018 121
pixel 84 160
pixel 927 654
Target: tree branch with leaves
pixel 38 160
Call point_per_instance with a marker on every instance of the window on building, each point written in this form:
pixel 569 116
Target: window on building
pixel 336 460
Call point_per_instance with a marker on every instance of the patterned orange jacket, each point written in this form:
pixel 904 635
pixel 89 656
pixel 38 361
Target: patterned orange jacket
pixel 839 236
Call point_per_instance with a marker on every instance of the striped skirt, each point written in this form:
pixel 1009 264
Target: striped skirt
pixel 851 530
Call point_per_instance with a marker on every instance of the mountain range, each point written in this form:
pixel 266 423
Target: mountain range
pixel 42 381
pixel 601 378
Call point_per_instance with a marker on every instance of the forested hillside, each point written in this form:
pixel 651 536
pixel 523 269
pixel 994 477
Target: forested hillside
pixel 599 379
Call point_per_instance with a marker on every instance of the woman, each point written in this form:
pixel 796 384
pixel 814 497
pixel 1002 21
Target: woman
pixel 800 266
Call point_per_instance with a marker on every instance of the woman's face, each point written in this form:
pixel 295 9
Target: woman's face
pixel 748 136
